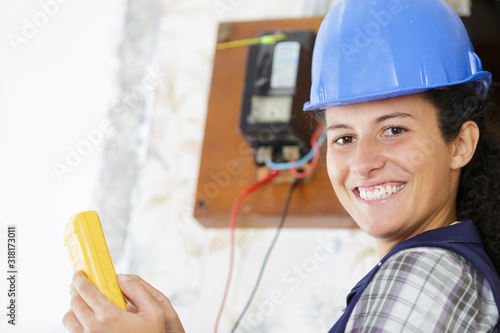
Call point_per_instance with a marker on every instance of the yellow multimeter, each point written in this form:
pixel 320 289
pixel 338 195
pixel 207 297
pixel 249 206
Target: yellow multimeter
pixel 89 253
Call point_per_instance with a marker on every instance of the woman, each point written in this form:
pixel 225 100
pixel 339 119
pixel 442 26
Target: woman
pixel 413 156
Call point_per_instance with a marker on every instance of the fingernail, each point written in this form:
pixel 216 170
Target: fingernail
pixel 123 277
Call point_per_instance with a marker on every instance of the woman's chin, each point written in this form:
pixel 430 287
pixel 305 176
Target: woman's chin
pixel 380 228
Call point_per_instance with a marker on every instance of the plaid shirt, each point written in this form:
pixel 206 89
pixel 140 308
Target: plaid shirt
pixel 427 290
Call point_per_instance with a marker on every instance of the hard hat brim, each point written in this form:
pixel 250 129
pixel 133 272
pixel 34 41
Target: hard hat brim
pixel 482 78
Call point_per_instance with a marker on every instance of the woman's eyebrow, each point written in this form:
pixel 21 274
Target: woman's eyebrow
pixel 392 115
pixel 337 126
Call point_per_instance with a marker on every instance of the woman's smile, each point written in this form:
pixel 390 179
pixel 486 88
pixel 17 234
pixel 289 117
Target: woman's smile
pixel 378 192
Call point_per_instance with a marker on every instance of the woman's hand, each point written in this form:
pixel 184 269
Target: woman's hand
pixel 148 309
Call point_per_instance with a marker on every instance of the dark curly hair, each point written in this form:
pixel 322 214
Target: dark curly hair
pixel 478 197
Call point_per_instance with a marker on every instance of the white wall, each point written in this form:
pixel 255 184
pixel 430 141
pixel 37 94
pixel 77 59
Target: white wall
pixel 58 82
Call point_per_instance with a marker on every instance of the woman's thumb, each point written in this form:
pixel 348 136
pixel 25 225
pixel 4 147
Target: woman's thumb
pixel 136 293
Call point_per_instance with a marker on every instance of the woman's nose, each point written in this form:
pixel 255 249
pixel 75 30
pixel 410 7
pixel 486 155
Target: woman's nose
pixel 367 157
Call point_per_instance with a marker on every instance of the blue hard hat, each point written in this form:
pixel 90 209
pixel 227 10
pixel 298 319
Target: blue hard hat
pixel 373 49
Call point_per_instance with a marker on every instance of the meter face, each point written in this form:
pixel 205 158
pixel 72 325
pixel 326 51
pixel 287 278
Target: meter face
pixel 270 109
pixel 285 65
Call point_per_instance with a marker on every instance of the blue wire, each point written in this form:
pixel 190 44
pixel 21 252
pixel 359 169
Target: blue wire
pixel 291 165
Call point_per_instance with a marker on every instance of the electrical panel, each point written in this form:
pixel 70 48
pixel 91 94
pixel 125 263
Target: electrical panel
pixel 227 164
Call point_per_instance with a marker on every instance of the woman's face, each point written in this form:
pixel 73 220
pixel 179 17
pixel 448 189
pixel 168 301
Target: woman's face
pixel 390 167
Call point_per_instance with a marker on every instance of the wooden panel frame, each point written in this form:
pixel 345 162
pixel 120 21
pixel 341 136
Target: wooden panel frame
pixel 227 165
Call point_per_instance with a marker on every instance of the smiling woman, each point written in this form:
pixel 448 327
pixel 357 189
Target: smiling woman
pixel 408 169
pixel 413 155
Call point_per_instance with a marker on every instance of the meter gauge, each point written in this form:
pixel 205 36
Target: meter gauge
pixel 285 65
pixel 270 109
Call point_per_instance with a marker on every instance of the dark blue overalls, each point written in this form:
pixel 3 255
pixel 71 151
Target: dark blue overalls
pixel 462 238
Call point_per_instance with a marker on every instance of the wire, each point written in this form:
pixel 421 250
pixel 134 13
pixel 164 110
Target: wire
pixel 317 140
pixel 259 278
pixel 309 170
pixel 290 165
pixel 244 193
pixel 266 39
pixel 314 162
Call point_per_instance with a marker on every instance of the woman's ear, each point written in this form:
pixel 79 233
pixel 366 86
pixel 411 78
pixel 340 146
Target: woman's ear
pixel 464 146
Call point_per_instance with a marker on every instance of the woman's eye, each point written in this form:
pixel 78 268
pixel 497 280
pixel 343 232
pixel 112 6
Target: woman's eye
pixel 345 140
pixel 393 130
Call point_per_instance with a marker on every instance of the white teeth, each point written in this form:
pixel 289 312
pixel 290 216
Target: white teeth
pixel 388 189
pixel 369 195
pixel 378 193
